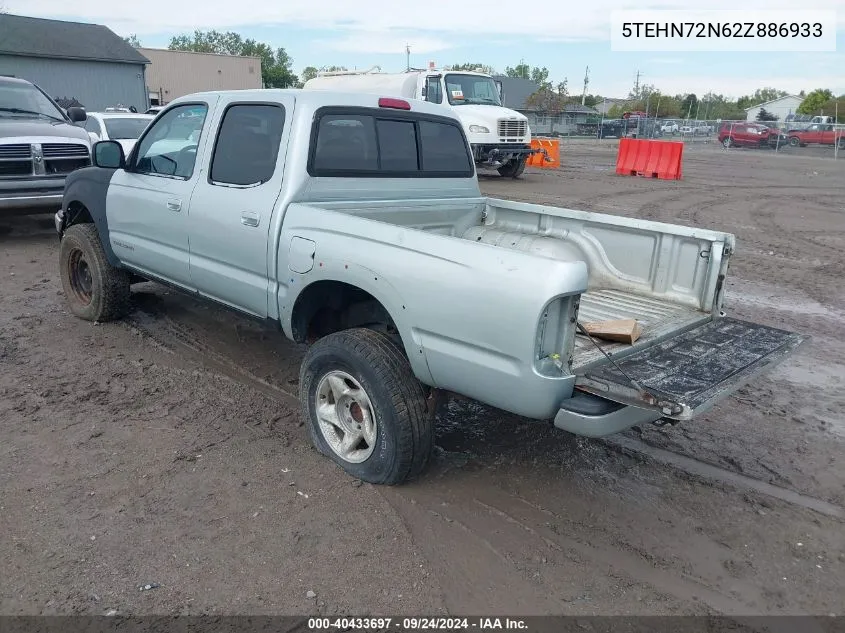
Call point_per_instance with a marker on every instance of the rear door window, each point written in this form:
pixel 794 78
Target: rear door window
pixel 247 144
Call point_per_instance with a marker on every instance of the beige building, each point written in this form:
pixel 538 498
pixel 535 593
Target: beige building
pixel 173 74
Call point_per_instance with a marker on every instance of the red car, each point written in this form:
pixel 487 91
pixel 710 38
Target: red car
pixel 819 133
pixel 750 134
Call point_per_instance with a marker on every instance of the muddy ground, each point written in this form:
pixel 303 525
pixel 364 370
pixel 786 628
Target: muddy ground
pixel 166 448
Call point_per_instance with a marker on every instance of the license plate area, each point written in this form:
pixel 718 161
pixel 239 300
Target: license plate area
pixel 689 373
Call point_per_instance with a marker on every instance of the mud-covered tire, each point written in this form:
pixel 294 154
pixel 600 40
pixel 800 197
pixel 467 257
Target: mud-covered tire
pixel 94 289
pixel 513 169
pixel 404 429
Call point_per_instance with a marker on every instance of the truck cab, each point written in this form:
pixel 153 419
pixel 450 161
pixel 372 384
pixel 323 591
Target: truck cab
pixel 500 137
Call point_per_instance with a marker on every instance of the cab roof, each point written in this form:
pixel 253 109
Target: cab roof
pixel 317 99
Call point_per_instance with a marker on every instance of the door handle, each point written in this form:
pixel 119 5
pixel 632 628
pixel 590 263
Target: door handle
pixel 250 218
pixel 174 205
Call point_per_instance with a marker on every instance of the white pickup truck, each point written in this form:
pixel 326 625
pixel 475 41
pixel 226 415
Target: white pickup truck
pixel 355 223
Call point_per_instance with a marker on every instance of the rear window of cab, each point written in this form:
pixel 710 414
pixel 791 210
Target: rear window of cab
pixel 382 143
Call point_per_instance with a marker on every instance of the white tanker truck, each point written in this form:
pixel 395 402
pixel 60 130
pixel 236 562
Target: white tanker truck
pixel 500 137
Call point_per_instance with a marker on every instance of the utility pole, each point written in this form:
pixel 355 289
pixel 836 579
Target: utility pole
pixel 637 86
pixel 408 57
pixel 586 83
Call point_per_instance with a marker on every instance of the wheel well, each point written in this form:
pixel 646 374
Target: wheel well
pixel 78 214
pixel 325 307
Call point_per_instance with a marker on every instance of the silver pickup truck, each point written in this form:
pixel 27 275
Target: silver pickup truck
pixel 355 223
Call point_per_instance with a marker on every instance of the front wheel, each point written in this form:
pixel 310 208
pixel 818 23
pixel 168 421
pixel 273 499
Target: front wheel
pixel 728 142
pixel 364 408
pixel 794 141
pixel 513 168
pixel 95 290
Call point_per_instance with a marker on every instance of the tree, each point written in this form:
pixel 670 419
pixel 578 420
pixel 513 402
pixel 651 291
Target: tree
pixel 521 70
pixel 485 68
pixel 308 73
pixel 689 104
pixel 815 101
pixel 765 115
pixel 132 40
pixel 540 76
pixel 276 69
pixel 615 111
pixel 834 107
pixel 549 99
pixel 592 100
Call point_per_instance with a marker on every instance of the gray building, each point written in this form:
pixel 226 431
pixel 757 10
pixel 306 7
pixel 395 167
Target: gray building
pixel 515 91
pixel 71 60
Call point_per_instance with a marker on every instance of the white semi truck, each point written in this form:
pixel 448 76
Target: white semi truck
pixel 500 137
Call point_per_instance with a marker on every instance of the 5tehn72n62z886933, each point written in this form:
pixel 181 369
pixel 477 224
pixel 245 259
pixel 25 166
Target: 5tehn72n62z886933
pixel 355 224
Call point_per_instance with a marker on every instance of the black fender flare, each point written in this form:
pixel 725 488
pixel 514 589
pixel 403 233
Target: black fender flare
pixel 88 187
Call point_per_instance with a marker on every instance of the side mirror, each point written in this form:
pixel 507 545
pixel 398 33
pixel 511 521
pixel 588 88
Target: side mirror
pixel 77 114
pixel 109 155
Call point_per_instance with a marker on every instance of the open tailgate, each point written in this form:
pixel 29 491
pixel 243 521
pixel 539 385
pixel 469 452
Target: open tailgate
pixel 688 373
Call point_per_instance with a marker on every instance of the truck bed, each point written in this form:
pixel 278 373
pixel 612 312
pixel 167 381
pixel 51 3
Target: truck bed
pixel 638 269
pixel 476 304
pixel 658 319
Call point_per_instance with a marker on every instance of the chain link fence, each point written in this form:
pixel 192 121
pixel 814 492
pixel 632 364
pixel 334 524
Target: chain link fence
pixel 797 137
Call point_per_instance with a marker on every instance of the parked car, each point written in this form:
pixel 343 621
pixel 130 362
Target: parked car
pixel 750 134
pixel 355 224
pixel 819 134
pixel 39 146
pixel 670 127
pixel 123 127
pixel 154 110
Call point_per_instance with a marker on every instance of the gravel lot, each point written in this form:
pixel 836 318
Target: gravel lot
pixel 166 448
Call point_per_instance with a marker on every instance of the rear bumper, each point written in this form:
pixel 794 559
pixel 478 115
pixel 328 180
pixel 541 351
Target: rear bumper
pixel 592 416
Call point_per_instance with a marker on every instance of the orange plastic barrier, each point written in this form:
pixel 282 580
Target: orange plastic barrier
pixel 552 147
pixel 652 159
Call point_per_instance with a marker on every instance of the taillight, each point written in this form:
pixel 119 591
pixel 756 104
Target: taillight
pixel 397 104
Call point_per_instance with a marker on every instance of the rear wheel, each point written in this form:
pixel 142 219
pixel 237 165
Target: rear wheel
pixel 794 141
pixel 513 168
pixel 95 290
pixel 364 408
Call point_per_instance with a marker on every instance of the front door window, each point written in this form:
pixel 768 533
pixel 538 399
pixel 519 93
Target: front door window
pixel 169 148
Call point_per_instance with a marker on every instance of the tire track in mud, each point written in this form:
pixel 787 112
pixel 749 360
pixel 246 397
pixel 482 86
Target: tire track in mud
pixel 712 472
pixel 432 524
pixel 169 334
pixel 528 543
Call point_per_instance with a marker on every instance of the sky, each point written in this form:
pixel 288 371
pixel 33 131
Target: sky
pixel 563 37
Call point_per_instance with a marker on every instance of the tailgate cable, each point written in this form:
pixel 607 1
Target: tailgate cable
pixel 642 389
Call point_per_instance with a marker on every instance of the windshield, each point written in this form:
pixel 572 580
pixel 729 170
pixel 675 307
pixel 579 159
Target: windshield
pixel 126 127
pixel 471 89
pixel 21 100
